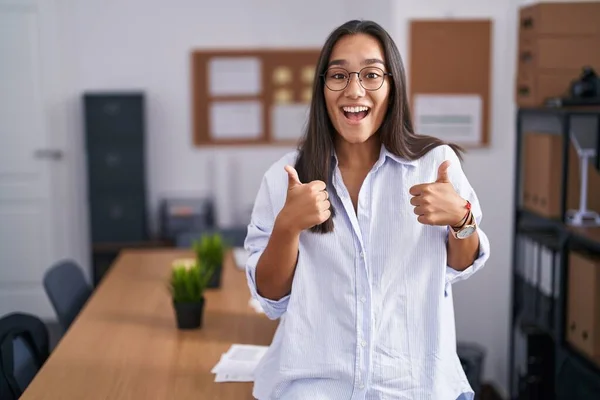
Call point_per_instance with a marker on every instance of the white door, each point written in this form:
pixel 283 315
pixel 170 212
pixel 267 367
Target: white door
pixel 30 161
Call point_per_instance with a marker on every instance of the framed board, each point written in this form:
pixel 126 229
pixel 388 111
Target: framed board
pixel 449 79
pixel 246 97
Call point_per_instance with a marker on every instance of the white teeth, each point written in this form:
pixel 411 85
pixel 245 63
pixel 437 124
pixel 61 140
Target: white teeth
pixel 355 109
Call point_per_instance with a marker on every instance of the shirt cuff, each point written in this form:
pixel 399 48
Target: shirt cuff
pixel 453 276
pixel 273 309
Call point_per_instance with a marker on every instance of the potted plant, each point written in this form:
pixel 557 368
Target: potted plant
pixel 210 251
pixel 189 278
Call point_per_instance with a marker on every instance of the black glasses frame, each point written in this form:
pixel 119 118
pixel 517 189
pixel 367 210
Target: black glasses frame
pixel 324 76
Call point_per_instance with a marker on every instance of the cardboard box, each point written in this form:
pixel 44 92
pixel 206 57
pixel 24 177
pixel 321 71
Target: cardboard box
pixel 542 160
pixel 567 18
pixel 583 305
pixel 556 41
pixel 533 89
pixel 542 173
pixel 559 53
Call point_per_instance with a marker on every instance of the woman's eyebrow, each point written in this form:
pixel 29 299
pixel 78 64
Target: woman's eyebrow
pixel 368 61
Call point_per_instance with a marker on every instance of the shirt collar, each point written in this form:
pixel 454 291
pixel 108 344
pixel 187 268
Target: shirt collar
pixel 383 154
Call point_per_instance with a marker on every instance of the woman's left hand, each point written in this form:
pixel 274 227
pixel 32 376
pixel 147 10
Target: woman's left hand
pixel 438 203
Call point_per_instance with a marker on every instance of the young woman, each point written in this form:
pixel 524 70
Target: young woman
pixel 357 237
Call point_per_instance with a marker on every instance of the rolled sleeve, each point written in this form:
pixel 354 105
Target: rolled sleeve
pixel 259 232
pixel 273 308
pixel 466 191
pixel 453 276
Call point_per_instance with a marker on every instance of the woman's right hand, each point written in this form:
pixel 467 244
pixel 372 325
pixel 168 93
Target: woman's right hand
pixel 306 204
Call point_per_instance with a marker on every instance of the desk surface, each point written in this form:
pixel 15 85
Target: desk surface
pixel 125 344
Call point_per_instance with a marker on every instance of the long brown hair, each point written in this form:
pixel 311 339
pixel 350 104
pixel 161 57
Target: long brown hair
pixel 396 131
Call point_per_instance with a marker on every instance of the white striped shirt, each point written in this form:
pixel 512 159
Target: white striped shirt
pixel 370 314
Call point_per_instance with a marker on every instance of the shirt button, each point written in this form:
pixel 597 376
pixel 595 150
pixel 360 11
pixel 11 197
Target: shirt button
pixel 363 299
pixel 363 343
pixel 362 386
pixel 362 254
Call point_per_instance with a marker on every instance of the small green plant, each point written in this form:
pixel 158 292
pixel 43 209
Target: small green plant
pixel 189 278
pixel 210 250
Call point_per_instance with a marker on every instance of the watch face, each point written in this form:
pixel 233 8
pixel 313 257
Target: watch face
pixel 466 232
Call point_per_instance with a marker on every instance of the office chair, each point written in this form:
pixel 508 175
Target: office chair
pixel 24 348
pixel 67 290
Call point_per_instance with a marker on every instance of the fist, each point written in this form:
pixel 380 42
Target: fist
pixel 306 204
pixel 437 203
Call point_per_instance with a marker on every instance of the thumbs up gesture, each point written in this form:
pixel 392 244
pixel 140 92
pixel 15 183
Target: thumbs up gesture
pixel 306 204
pixel 437 203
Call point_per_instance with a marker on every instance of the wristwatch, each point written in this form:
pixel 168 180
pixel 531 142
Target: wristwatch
pixel 465 230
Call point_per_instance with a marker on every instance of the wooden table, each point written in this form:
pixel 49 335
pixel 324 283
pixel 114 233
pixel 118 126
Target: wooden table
pixel 125 344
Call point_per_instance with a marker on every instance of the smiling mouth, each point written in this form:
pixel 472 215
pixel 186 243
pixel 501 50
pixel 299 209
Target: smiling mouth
pixel 356 114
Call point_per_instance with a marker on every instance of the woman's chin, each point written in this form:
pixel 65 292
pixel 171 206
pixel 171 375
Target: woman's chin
pixel 355 137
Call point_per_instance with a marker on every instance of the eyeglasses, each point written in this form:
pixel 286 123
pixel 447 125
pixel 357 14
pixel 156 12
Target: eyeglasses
pixel 370 78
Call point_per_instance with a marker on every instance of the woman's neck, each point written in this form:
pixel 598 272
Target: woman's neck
pixel 357 155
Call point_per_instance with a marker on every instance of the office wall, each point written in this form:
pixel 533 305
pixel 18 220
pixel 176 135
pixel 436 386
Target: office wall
pixel 145 44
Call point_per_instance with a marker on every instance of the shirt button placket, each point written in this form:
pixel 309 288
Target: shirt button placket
pixel 365 325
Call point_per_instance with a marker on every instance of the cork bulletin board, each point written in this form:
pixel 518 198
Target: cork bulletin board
pixel 248 97
pixel 449 79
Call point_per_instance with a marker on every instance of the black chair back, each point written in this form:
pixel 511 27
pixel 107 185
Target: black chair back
pixel 67 290
pixel 24 348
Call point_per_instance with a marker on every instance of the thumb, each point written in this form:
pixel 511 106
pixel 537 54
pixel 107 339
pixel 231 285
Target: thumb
pixel 293 179
pixel 443 172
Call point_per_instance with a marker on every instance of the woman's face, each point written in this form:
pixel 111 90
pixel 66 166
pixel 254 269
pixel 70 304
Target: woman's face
pixel 355 112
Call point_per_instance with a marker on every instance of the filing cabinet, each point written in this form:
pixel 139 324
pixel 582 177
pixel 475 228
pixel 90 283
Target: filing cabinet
pixel 118 217
pixel 114 118
pixel 115 154
pixel 583 305
pixel 116 166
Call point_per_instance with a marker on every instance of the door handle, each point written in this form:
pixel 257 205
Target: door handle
pixel 49 154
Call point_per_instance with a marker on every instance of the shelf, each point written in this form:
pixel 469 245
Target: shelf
pixel 550 231
pixel 582 359
pixel 577 377
pixel 530 220
pixel 541 251
pixel 565 113
pixel 561 111
pixel 587 239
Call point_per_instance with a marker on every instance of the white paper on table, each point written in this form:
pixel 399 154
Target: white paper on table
pixel 238 363
pixel 454 118
pixel 236 120
pixel 235 76
pixel 226 377
pixel 225 366
pixel 246 352
pixel 288 121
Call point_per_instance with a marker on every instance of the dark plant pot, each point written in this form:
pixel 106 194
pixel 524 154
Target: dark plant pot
pixel 189 315
pixel 215 280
